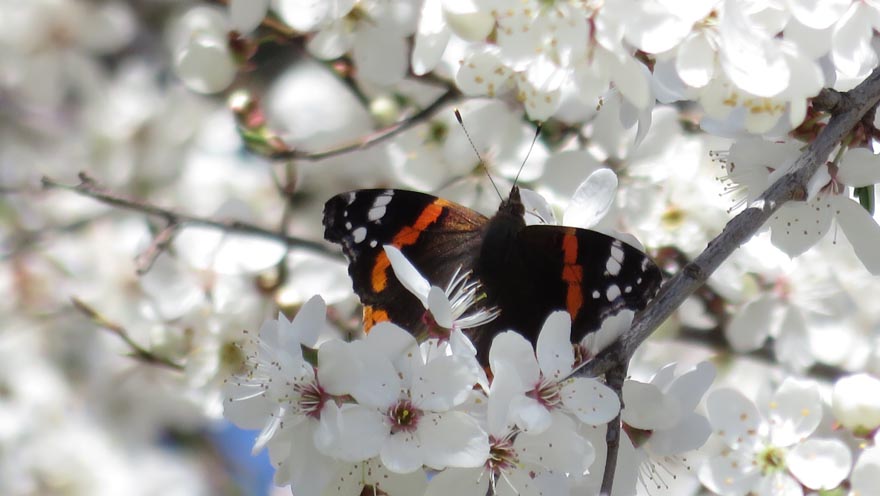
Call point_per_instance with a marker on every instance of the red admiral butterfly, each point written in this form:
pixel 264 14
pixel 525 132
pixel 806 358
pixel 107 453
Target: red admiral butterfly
pixel 525 271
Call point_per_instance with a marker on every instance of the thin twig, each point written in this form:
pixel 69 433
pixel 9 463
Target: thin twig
pixel 144 262
pixel 849 108
pixel 138 351
pixel 88 187
pixel 375 138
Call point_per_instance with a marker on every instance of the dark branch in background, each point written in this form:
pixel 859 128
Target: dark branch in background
pixel 375 138
pixel 177 220
pixel 847 111
pixel 138 351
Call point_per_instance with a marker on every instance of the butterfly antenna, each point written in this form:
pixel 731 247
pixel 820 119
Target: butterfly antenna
pixel 532 146
pixel 461 123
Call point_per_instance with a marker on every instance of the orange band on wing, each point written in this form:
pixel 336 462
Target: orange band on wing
pixel 373 316
pixel 572 274
pixel 407 236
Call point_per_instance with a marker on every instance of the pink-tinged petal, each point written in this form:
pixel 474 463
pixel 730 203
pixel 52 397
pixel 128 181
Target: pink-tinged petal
pixel 797 226
pixel 554 351
pixel 402 452
pixel 440 307
pixel 820 463
pixel 729 474
pixel 592 200
pixel 443 383
pixel 351 432
pixel 733 417
pixel 690 433
pixel 453 439
pixel 690 387
pixel 794 412
pixel 460 482
pixel 407 274
pixel 778 484
pixel 307 325
pixel 512 348
pixel 529 415
pixel 590 401
pixel 750 326
pixel 861 231
pixel 859 167
pixel 646 407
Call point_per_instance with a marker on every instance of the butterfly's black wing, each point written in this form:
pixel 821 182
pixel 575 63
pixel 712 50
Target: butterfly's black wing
pixel 436 235
pixel 591 275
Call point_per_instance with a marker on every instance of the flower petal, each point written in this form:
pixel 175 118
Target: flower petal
pixel 797 226
pixel 646 407
pixel 733 417
pixel 407 274
pixel 820 463
pixel 590 401
pixel 554 350
pixel 794 412
pixel 690 387
pixel 461 482
pixel 861 231
pixel 592 200
pixel 512 348
pixel 440 307
pixel 750 326
pixel 859 167
pixel 442 383
pixel 453 439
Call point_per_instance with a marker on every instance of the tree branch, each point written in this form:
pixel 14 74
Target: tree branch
pixel 375 138
pixel 848 108
pixel 614 379
pixel 138 351
pixel 88 187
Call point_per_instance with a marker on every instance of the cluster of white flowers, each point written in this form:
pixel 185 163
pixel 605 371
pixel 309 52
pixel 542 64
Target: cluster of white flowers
pixel 380 411
pixel 118 89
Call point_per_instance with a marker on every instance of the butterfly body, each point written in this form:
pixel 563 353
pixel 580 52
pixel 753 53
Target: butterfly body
pixel 525 271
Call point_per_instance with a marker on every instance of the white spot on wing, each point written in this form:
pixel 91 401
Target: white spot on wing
pixel 373 243
pixel 348 226
pixel 613 292
pixel 376 213
pixel 596 294
pixel 359 234
pixel 612 265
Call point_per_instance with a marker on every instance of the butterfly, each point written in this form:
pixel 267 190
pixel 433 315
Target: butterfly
pixel 526 271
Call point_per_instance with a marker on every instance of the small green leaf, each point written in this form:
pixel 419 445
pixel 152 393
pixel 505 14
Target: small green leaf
pixel 837 491
pixel 865 195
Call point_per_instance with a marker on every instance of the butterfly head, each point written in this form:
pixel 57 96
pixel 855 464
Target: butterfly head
pixel 513 205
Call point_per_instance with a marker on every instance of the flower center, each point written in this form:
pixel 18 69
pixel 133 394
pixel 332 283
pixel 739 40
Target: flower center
pixel 311 398
pixel 404 416
pixel 770 460
pixel 547 393
pixel 501 454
